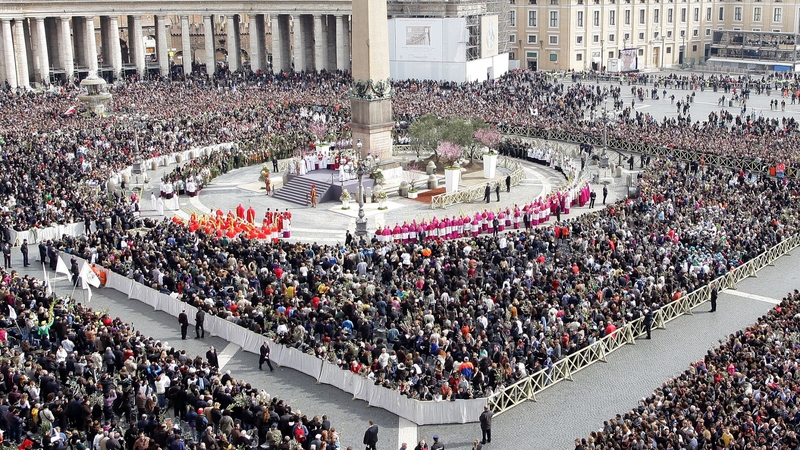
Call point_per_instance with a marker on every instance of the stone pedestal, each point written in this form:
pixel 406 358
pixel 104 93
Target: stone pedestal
pixel 372 123
pixel 451 179
pixel 489 166
pixel 371 94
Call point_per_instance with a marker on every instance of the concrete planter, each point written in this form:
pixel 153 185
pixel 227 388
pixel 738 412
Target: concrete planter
pixel 489 166
pixel 452 176
pixel 413 194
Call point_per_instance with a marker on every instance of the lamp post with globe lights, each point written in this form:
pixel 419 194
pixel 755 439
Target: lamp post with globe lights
pixel 364 167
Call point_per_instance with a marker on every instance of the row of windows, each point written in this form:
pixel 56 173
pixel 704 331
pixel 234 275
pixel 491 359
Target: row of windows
pixel 611 38
pixel 777 16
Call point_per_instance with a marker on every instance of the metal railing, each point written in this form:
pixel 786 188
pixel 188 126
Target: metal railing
pixel 647 148
pixel 564 369
pixel 476 193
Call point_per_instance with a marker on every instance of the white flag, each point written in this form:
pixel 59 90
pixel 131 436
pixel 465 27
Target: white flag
pixel 61 266
pixel 12 312
pixel 88 277
pixel 88 294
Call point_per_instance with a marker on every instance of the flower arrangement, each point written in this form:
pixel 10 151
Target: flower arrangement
pixel 381 197
pixel 264 172
pixel 345 198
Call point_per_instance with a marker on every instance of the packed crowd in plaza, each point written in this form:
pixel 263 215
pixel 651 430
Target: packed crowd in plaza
pixel 435 319
pixel 741 395
pixel 57 155
pixel 461 319
pixel 84 380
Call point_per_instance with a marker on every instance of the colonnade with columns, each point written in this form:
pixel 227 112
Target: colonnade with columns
pixel 34 48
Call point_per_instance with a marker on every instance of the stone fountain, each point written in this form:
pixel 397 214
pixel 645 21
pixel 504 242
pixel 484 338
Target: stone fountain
pixel 96 97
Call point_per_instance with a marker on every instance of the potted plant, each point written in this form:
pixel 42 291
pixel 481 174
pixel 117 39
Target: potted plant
pixel 345 199
pixel 382 200
pixel 490 138
pixel 413 192
pixel 452 171
pixel 377 175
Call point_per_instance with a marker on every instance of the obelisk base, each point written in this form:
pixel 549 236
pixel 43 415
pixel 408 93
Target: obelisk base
pixel 372 123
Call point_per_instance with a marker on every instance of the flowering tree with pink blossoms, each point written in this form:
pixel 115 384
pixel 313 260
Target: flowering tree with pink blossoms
pixel 450 152
pixel 489 137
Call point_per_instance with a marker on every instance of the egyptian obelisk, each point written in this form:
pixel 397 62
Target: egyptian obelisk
pixel 371 93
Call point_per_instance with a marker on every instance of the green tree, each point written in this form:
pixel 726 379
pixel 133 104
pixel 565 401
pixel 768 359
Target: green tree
pixel 428 131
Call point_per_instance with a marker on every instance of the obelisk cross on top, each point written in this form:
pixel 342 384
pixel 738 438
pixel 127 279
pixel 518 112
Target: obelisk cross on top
pixel 371 93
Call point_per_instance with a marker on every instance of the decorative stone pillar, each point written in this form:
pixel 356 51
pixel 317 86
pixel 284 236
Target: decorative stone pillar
pixel 186 46
pixel 40 53
pixel 371 99
pixel 162 50
pixel 211 50
pixel 9 63
pixel 90 44
pixel 20 54
pixel 319 54
pixel 299 45
pixel 65 46
pixel 342 33
pixel 116 50
pixel 234 44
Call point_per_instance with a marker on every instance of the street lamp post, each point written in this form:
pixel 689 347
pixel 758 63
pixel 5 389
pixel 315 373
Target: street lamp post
pixel 365 166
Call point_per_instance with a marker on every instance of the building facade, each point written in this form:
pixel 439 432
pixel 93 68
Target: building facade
pixel 650 34
pixel 42 42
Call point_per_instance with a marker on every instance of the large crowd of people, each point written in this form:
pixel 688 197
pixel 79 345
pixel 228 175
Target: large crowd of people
pixel 62 159
pixel 742 394
pixel 77 378
pixel 432 318
pixel 444 319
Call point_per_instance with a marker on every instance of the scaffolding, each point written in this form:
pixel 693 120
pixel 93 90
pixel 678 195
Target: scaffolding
pixel 471 10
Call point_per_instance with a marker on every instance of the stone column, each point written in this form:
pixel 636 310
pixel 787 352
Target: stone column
pixel 116 50
pixel 9 63
pixel 342 56
pixel 299 45
pixel 234 47
pixel 40 54
pixel 161 45
pixel 330 42
pixel 78 38
pixel 137 39
pixel 257 42
pixel 51 41
pixel 65 48
pixel 105 40
pixel 277 48
pixel 186 46
pixel 211 49
pixel 90 44
pixel 319 54
pixel 20 54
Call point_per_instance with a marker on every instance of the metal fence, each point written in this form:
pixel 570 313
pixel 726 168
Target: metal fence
pixel 646 148
pixel 476 193
pixel 564 369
